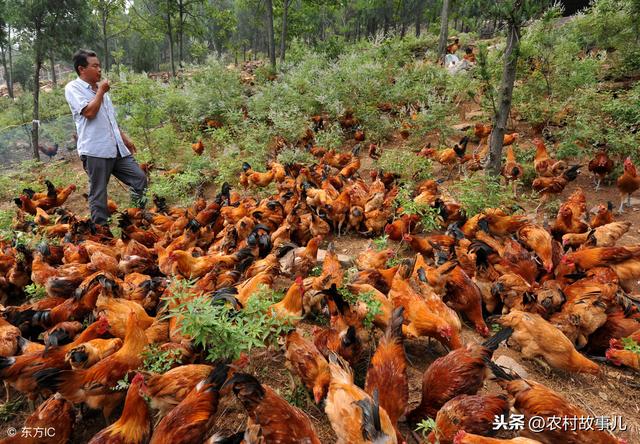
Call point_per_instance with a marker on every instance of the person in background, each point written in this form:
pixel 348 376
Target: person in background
pixel 103 148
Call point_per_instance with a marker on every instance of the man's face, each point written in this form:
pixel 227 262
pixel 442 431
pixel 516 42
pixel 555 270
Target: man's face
pixel 92 72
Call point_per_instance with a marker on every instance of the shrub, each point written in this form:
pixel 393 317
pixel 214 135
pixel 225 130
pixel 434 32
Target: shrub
pixel 224 332
pixel 405 163
pixel 480 191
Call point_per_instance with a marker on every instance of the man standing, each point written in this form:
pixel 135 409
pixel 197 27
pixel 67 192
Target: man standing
pixel 103 148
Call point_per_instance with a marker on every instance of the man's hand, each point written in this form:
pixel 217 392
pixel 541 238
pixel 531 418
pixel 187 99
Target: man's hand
pixel 128 143
pixel 104 86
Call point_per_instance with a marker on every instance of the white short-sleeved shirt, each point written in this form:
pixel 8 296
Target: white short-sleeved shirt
pixel 100 136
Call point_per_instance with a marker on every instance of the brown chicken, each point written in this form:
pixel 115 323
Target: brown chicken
pixel 482 131
pixel 94 385
pixel 134 425
pixel 602 216
pixel 20 371
pixel 461 372
pixel 198 147
pixel 539 240
pixel 9 335
pixel 618 325
pixel 544 165
pixel 290 307
pixel 370 258
pixel 345 342
pixel 356 417
pixel 55 197
pixel 567 222
pixel 539 338
pixel 88 353
pixel 546 186
pixel 426 316
pixel 509 138
pixel 512 171
pixel 628 183
pixel 167 390
pixel 619 355
pixel 387 373
pixel 475 413
pixel 51 423
pixel 307 361
pixel 298 261
pixel 401 226
pixel 601 165
pixel 332 272
pixel 280 422
pixel 601 256
pixel 533 399
pixel 463 295
pixel 191 420
pixel 603 236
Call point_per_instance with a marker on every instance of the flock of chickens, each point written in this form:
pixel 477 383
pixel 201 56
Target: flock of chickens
pixel 107 299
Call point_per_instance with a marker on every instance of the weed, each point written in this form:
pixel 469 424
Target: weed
pixel 430 218
pixel 225 332
pixel 35 292
pixel 297 396
pixel 405 163
pixel 381 242
pixel 292 155
pixel 159 361
pixel 425 426
pixel 10 409
pixel 631 345
pixel 478 192
pixel 374 307
pixel 122 384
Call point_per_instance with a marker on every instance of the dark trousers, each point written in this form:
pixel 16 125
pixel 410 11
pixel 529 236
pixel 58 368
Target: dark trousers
pixel 99 170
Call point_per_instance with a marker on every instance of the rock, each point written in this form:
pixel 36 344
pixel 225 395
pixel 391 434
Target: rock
pixel 511 365
pixel 345 261
pixel 473 114
pixel 461 126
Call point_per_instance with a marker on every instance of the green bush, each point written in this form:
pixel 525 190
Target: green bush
pixel 405 163
pixel 226 333
pixel 480 191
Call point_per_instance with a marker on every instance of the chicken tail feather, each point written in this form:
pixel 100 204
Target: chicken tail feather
pixel 371 425
pixel 394 329
pixel 500 372
pixel 494 341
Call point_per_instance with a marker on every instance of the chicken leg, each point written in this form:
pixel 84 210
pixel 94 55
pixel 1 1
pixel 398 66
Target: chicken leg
pixel 621 209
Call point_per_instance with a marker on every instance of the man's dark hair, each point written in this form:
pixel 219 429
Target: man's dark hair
pixel 80 59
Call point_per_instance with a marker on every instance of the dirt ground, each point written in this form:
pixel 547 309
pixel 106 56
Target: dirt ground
pixel 617 393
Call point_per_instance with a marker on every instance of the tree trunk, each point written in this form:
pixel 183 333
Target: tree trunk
pixel 270 36
pixel 444 29
pixel 9 73
pixel 180 32
pixel 170 30
pixel 504 101
pixel 283 37
pixel 385 23
pixel 54 79
pixel 403 19
pixel 36 104
pixel 105 40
